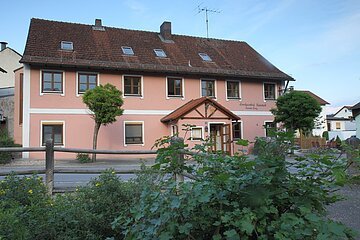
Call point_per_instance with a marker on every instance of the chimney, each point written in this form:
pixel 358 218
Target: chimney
pixel 165 30
pixel 98 25
pixel 3 45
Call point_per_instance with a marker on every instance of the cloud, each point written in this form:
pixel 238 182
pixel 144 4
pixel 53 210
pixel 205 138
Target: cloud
pixel 262 14
pixel 136 6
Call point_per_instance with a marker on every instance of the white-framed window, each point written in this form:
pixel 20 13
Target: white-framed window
pixel 237 130
pixel 133 85
pixel 52 82
pixel 52 130
pixel 133 133
pixel 127 50
pixel 197 133
pixel 233 89
pixel 175 87
pixel 160 53
pixel 67 45
pixel 205 57
pixel 269 126
pixel 86 81
pixel 208 88
pixel 269 91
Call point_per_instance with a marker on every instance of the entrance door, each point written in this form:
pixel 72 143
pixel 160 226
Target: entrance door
pixel 220 137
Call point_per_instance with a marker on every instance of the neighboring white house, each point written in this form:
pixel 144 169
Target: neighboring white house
pixel 320 124
pixel 341 124
pixel 356 115
pixel 9 61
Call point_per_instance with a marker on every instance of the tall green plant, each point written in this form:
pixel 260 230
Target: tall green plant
pixel 297 111
pixel 105 102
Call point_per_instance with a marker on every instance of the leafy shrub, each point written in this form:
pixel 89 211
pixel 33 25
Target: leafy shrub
pixel 238 198
pixel 326 135
pixel 83 157
pixel 6 141
pixel 24 208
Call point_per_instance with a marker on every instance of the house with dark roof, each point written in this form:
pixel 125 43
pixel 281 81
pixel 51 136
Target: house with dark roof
pixel 224 89
pixel 341 123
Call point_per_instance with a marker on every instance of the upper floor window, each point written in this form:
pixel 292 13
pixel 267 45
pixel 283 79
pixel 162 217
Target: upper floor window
pixel 205 57
pixel 127 50
pixel 233 89
pixel 160 53
pixel 86 81
pixel 174 86
pixel 52 131
pixel 208 88
pixel 269 91
pixel 132 86
pixel 52 82
pixel 66 45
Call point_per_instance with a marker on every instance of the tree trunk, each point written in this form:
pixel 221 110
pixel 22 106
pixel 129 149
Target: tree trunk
pixel 96 131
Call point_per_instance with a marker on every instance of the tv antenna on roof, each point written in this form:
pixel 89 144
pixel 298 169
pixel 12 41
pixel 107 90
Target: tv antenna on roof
pixel 206 10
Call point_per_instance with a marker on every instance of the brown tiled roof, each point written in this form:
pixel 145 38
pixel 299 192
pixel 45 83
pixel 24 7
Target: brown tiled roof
pixel 316 97
pixel 102 50
pixel 356 110
pixel 193 104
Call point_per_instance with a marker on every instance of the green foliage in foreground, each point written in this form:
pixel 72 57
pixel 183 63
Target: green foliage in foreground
pixel 6 141
pixel 27 212
pixel 228 198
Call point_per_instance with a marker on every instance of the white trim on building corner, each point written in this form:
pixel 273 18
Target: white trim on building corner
pixel 26 110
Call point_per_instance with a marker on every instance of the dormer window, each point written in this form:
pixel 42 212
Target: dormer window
pixel 205 57
pixel 127 50
pixel 66 45
pixel 160 53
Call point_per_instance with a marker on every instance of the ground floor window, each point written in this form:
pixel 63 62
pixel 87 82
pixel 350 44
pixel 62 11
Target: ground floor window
pixel 196 133
pixel 237 133
pixel 134 133
pixel 269 127
pixel 174 130
pixel 53 131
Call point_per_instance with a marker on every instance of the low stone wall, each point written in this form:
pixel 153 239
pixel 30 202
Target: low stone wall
pixel 7 106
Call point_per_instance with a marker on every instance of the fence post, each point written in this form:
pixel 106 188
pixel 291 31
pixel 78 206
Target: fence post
pixel 49 165
pixel 179 143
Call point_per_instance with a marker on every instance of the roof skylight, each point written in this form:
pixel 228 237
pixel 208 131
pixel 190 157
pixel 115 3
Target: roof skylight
pixel 205 57
pixel 160 53
pixel 127 50
pixel 66 45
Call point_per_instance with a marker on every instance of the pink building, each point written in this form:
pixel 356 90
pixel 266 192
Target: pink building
pixel 225 89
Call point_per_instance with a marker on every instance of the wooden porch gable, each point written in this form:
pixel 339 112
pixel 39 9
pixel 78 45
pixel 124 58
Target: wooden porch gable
pixel 201 108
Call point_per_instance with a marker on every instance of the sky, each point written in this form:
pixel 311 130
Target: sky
pixel 317 42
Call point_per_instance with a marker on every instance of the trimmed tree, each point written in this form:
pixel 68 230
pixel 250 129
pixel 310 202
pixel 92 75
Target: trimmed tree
pixel 105 102
pixel 297 111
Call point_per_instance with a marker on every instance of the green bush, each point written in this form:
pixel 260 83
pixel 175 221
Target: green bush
pixel 83 157
pixel 326 135
pixel 6 141
pixel 238 198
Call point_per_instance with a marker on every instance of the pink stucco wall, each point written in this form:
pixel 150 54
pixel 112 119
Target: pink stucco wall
pixel 17 125
pixel 79 127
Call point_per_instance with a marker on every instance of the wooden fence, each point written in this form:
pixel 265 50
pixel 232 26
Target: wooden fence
pixel 50 170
